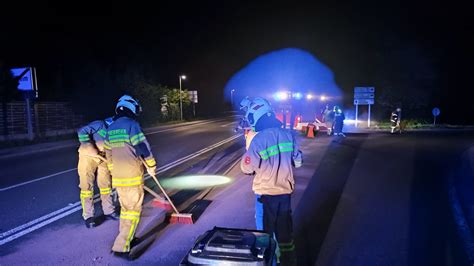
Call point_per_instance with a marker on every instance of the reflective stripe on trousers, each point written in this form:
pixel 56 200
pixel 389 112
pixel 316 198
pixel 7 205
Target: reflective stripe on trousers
pixel 88 169
pixel 131 200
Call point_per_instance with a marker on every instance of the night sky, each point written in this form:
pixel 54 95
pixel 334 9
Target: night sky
pixel 422 50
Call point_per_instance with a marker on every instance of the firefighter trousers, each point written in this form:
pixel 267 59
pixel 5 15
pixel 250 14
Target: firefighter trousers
pixel 131 200
pixel 87 169
pixel 277 221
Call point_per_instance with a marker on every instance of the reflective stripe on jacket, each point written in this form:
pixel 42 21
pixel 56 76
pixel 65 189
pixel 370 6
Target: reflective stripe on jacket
pixel 93 133
pixel 124 145
pixel 271 155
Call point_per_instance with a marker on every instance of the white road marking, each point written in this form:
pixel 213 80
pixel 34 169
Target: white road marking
pixel 73 169
pixel 37 179
pixel 228 124
pixel 38 223
pixel 169 129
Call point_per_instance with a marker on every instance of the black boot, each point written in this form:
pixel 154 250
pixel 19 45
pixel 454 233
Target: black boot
pixel 90 222
pixel 123 255
pixel 113 216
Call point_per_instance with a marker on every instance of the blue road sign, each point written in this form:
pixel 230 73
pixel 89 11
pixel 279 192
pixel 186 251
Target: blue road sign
pixel 436 111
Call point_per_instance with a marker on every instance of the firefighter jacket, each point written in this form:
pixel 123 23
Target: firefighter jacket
pixel 271 156
pixel 92 138
pixel 127 150
pixel 394 117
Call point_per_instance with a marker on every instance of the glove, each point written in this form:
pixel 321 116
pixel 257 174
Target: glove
pixel 298 159
pixel 151 170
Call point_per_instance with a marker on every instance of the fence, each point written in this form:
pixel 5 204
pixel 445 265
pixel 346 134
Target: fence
pixel 48 119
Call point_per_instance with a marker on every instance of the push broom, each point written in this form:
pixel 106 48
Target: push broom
pixel 176 217
pixel 157 202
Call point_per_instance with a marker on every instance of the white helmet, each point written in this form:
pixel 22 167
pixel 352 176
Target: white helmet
pixel 245 103
pixel 130 103
pixel 108 121
pixel 257 109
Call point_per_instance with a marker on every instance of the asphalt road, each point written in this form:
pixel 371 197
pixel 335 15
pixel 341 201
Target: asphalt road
pixel 28 201
pixel 368 199
pixel 381 199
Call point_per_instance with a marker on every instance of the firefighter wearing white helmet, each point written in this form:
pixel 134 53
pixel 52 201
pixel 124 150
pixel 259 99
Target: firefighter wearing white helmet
pixel 271 156
pixel 128 154
pixel 395 120
pixel 91 154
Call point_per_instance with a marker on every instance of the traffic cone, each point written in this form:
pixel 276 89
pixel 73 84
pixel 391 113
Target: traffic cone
pixel 303 130
pixel 310 131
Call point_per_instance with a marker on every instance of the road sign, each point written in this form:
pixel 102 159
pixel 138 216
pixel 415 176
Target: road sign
pixel 364 95
pixel 363 101
pixel 435 113
pixel 193 96
pixel 364 89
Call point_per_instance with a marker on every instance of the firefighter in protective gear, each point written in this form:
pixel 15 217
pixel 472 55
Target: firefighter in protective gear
pixel 338 121
pixel 127 150
pixel 271 156
pixel 92 138
pixel 328 116
pixel 395 120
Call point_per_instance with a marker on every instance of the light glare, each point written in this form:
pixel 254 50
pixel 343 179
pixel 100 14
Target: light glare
pixel 195 181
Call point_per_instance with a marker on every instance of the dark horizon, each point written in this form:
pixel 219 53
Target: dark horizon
pixel 420 52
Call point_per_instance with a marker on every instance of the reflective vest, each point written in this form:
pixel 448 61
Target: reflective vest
pixel 126 150
pixel 92 136
pixel 272 154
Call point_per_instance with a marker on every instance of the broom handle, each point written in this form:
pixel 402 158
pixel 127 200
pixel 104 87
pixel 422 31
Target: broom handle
pixel 153 193
pixel 164 192
pixel 162 189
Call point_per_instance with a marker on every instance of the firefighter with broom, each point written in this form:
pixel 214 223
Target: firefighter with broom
pixel 128 154
pixel 271 155
pixel 91 150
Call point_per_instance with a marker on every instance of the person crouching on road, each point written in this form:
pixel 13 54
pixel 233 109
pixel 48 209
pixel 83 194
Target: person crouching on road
pixel 91 161
pixel 271 154
pixel 127 151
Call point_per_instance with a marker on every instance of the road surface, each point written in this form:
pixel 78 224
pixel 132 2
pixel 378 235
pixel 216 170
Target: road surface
pixel 368 199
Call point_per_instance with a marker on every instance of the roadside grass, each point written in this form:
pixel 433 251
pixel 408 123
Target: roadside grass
pixel 417 124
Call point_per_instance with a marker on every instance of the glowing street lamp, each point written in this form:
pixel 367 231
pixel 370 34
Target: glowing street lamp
pixel 181 77
pixel 232 97
pixel 323 98
pixel 309 96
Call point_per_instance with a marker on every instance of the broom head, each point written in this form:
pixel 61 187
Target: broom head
pixel 181 218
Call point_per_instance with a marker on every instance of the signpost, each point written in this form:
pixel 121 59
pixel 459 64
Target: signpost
pixel 28 84
pixel 435 113
pixel 363 96
pixel 193 96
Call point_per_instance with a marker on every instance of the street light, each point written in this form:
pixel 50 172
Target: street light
pixel 181 77
pixel 232 97
pixel 323 98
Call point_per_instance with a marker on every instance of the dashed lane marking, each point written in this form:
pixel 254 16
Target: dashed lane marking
pixel 38 223
pixel 73 169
